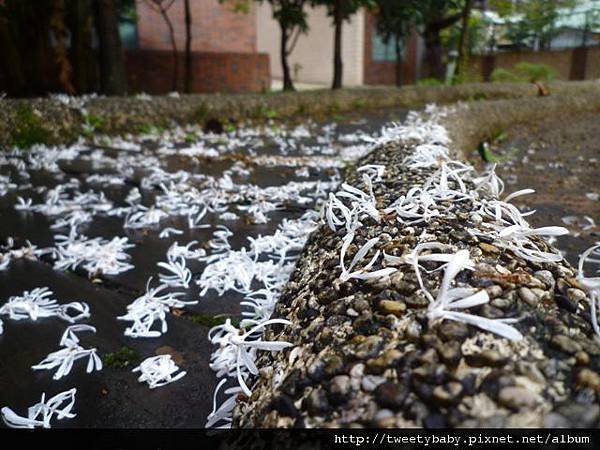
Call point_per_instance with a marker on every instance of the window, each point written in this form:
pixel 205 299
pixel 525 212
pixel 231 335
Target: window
pixel 382 51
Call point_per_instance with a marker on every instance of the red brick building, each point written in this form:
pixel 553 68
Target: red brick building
pixel 235 51
pixel 224 58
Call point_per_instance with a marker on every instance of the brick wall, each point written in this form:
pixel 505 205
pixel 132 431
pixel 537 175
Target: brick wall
pixel 151 71
pixel 570 64
pixel 384 72
pixel 215 27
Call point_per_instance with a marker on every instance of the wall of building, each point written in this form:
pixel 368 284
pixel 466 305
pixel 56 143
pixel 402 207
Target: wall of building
pixel 312 58
pixel 570 64
pixel 215 27
pixel 384 72
pixel 151 71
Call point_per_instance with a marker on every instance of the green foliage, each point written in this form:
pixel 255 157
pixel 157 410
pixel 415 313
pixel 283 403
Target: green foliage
pixel 535 22
pixel 501 75
pixel 264 112
pixel 476 36
pixel 29 128
pixel 91 124
pixel 535 72
pixel 395 19
pixel 524 71
pixel 348 7
pixel 430 82
pixel 121 358
pixel 148 128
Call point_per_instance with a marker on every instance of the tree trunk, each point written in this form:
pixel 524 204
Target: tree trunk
pixel 463 41
pixel 80 24
pixel 288 84
pixel 337 46
pixel 433 45
pixel 61 55
pixel 399 62
pixel 433 54
pixel 188 47
pixel 113 80
pixel 167 20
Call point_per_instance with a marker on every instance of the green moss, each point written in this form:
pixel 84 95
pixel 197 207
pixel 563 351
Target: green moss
pixel 121 358
pixel 29 128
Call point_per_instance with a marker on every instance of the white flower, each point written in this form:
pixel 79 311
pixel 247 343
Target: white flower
pixel 149 308
pixel 40 414
pixel 591 284
pixel 450 299
pixel 237 350
pixel 97 255
pixel 165 233
pixel 223 412
pixel 71 352
pixel 363 273
pixel 38 303
pixel 178 275
pixel 158 371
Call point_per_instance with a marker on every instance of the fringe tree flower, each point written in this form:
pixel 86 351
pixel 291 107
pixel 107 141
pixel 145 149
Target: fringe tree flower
pixel 178 275
pixel 237 349
pixel 363 273
pixel 40 414
pixel 223 413
pixel 71 352
pixel 451 299
pixel 149 308
pixel 38 303
pixel 158 371
pixel 591 284
pixel 96 255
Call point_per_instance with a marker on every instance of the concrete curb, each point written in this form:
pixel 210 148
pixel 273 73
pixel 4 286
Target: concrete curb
pixel 365 353
pixel 52 121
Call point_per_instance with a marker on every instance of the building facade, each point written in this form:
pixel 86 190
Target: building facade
pixel 366 58
pixel 224 49
pixel 240 51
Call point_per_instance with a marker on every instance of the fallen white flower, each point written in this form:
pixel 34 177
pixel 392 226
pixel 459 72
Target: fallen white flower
pixel 40 414
pixel 158 371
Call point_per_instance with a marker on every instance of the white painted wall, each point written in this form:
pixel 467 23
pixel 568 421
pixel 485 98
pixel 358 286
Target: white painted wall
pixel 313 54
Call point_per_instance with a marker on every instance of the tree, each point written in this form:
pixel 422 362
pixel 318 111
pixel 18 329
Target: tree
pixel 535 25
pixel 188 47
pixel 340 11
pixel 113 80
pixel 463 43
pixel 395 20
pixel 162 7
pixel 291 17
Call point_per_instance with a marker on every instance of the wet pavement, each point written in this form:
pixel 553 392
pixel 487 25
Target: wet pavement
pixel 560 158
pixel 560 162
pixel 259 158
